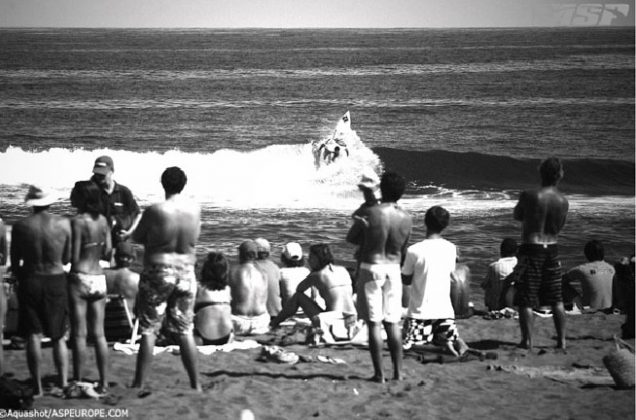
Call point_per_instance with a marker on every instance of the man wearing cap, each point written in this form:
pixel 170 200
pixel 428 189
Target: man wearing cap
pixel 117 202
pixel 249 293
pixel 40 247
pixel 271 272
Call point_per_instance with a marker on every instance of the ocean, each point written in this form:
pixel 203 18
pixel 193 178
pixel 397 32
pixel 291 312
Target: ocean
pixel 465 115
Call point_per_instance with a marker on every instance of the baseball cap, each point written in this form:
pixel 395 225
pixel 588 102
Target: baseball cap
pixel 103 165
pixel 293 251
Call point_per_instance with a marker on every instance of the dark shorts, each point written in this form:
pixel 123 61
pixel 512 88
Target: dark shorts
pixel 538 276
pixel 43 305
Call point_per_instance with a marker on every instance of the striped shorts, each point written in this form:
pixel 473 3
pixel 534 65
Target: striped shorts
pixel 537 276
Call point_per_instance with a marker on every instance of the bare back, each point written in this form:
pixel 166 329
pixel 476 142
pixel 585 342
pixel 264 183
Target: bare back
pixel 249 290
pixel 42 242
pixel 543 213
pixel 334 285
pixel 385 235
pixel 91 243
pixel 124 282
pixel 169 232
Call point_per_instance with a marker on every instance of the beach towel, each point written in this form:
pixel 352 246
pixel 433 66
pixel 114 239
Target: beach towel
pixel 131 349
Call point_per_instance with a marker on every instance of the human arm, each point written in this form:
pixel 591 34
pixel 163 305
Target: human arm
pixel 16 251
pixel 307 282
pixel 356 231
pixel 408 266
pixel 76 241
pixel 518 212
pixel 108 241
pixel 3 243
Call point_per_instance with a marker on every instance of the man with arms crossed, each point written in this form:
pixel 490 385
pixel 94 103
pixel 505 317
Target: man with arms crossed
pixel 40 247
pixel 542 213
pixel 168 286
pixel 382 231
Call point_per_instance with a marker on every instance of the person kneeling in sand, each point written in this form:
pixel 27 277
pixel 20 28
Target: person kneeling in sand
pixel 334 285
pixel 428 267
pixel 212 311
pixel 249 293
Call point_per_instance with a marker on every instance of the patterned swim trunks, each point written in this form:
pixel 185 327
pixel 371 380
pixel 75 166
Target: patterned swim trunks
pixel 167 292
pixel 88 286
pixel 424 331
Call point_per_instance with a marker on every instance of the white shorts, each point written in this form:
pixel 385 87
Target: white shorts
pixel 383 291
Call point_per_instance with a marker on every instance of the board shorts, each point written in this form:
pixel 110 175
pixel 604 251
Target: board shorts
pixel 167 291
pixel 424 331
pixel 251 325
pixel 537 276
pixel 87 286
pixel 382 285
pixel 43 305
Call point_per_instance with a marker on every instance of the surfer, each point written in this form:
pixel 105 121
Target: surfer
pixel 330 149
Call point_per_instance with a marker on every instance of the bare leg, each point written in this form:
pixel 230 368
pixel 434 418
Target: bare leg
pixel 297 300
pixel 189 359
pixel 526 320
pixel 394 340
pixel 558 316
pixel 96 311
pixel 34 359
pixel 60 357
pixel 144 359
pixel 78 323
pixel 3 314
pixel 375 347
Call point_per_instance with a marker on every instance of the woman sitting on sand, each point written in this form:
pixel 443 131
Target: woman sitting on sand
pixel 334 285
pixel 212 311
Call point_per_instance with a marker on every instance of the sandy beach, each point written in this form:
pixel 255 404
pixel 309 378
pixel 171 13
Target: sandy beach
pixel 518 384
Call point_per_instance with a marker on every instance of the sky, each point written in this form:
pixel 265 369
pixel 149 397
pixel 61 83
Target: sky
pixel 273 13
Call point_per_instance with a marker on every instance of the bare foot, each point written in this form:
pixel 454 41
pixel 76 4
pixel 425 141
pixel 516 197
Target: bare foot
pixel 378 379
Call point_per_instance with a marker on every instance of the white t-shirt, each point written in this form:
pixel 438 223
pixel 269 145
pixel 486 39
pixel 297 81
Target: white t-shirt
pixel 431 263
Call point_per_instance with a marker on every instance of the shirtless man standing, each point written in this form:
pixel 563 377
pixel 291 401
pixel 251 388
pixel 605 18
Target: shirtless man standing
pixel 40 247
pixel 249 290
pixel 542 213
pixel 168 286
pixel 382 231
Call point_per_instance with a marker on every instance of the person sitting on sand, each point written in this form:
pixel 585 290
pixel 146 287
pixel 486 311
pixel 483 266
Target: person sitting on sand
pixel 87 284
pixel 168 286
pixel 542 213
pixel 249 293
pixel 121 280
pixel 40 247
pixel 493 283
pixel 591 283
pixel 293 270
pixel 334 285
pixel 212 311
pixel 272 273
pixel 428 268
pixel 460 290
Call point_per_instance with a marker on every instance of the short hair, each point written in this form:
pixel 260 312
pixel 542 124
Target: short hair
pixel 392 186
pixel 322 253
pixel 214 273
pixel 508 247
pixel 248 251
pixel 594 250
pixel 436 218
pixel 173 180
pixel 551 170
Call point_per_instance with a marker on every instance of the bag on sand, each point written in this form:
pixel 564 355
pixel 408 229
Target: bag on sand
pixel 15 395
pixel 620 364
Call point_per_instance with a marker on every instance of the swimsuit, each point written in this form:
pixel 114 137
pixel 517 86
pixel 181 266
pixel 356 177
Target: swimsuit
pixel 382 285
pixel 251 325
pixel 88 286
pixel 43 305
pixel 538 275
pixel 167 289
pixel 424 331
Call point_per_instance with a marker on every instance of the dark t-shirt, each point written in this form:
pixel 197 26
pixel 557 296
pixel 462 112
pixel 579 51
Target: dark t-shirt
pixel 119 207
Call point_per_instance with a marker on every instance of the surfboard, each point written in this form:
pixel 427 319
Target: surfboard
pixel 335 146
